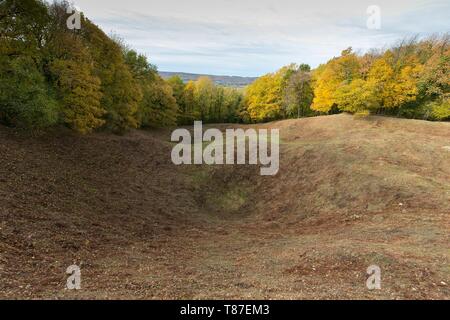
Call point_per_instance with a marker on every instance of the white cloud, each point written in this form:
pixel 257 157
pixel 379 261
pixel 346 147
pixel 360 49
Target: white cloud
pixel 253 37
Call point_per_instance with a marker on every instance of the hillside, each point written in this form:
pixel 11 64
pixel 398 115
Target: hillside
pixel 350 193
pixel 226 81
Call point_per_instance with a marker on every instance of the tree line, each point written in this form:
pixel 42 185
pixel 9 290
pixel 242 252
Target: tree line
pixel 51 75
pixel 411 79
pixel 85 80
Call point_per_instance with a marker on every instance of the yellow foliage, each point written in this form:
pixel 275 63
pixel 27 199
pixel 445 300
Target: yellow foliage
pixel 394 86
pixel 441 110
pixel 356 97
pixel 335 73
pixel 264 97
pixel 81 91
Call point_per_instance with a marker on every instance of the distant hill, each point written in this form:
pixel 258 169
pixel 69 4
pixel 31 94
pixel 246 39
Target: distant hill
pixel 227 81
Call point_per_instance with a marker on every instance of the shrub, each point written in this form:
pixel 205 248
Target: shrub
pixel 25 100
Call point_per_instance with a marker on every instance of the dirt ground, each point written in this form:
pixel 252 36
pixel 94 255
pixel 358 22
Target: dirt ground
pixel 350 193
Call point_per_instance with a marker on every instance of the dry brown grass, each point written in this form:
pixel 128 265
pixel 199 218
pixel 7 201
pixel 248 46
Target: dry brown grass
pixel 350 193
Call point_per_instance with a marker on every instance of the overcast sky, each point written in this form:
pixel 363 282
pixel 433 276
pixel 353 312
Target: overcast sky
pixel 253 37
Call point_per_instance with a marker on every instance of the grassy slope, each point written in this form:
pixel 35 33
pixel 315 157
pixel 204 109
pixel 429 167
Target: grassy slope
pixel 350 193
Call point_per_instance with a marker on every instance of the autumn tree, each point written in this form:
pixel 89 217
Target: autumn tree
pixel 232 103
pixel 72 73
pixel 356 97
pixel 434 83
pixel 26 99
pixel 189 114
pixel 80 95
pixel 394 84
pixel 121 92
pixel 204 98
pixel 339 71
pixel 298 92
pixel 86 80
pixel 158 107
pixel 264 97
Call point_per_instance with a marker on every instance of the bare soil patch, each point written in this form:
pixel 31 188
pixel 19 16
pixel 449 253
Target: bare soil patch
pixel 350 193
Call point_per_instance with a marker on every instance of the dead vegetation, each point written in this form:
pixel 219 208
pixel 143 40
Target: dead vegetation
pixel 350 193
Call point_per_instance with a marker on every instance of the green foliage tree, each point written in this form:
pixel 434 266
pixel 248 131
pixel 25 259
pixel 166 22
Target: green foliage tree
pixel 188 114
pixel 233 102
pixel 26 100
pixel 204 98
pixel 434 83
pixel 72 75
pixel 205 101
pixel 184 98
pixel 157 107
pixel 24 27
pixel 86 80
pixel 298 93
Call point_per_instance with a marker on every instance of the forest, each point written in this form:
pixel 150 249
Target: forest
pixel 86 80
pixel 307 183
